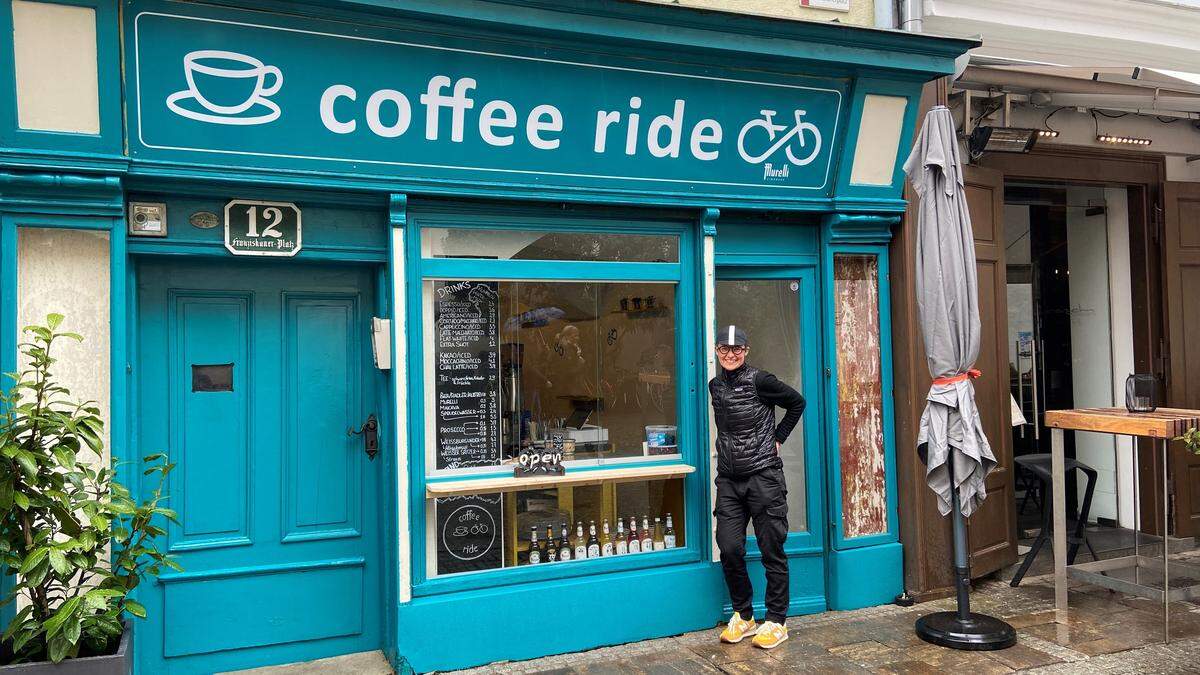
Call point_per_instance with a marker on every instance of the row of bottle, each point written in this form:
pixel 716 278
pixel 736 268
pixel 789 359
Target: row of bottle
pixel 552 549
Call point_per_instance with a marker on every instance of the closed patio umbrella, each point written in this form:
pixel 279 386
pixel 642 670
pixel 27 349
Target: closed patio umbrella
pixel 957 455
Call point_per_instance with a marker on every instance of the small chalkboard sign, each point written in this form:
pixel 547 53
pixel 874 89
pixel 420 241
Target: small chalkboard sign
pixel 470 533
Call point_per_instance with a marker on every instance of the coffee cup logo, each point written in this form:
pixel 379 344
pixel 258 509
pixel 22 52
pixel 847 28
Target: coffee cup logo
pixel 227 88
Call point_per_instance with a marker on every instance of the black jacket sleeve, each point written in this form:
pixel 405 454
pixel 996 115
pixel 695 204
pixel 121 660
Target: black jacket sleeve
pixel 776 393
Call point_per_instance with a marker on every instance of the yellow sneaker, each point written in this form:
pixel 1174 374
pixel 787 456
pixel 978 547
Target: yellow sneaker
pixel 738 628
pixel 771 635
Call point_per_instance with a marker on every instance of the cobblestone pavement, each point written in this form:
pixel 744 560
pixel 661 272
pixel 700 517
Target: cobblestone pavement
pixel 1107 633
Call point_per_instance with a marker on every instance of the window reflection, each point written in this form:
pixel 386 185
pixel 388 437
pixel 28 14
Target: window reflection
pixel 769 311
pixel 443 242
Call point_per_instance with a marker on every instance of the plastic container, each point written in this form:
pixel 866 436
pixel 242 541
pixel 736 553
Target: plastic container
pixel 660 436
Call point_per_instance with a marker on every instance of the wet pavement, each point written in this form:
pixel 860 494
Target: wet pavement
pixel 1107 633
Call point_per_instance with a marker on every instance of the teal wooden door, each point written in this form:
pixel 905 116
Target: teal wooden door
pixel 779 308
pixel 249 376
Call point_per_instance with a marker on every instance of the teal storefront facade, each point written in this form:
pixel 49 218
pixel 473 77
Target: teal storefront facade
pixel 467 232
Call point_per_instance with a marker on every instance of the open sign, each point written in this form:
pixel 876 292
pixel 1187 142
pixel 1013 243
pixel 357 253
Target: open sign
pixel 539 463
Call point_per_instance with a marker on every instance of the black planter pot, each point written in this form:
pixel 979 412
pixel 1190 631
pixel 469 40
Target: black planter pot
pixel 118 663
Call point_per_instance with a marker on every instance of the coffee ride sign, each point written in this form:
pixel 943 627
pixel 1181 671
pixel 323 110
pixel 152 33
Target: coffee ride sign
pixel 262 228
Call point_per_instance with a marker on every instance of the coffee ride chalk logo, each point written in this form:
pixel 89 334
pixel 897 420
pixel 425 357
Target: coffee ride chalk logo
pixel 262 228
pixel 227 88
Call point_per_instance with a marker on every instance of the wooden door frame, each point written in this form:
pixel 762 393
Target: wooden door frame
pixel 1143 175
pixel 926 537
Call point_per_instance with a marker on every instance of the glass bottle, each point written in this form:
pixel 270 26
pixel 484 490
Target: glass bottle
pixel 659 541
pixel 580 542
pixel 564 545
pixel 621 543
pixel 535 554
pixel 669 535
pixel 551 544
pixel 606 542
pixel 647 542
pixel 593 542
pixel 635 544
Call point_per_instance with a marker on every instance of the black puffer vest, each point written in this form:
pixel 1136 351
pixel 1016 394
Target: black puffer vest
pixel 745 425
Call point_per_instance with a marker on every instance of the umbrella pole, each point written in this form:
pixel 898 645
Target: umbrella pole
pixel 963 629
pixel 962 572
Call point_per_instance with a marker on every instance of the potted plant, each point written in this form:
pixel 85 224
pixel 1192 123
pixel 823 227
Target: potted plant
pixel 1191 440
pixel 73 543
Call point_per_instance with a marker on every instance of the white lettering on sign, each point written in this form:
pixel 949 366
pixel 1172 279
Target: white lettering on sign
pixel 328 99
pixel 389 114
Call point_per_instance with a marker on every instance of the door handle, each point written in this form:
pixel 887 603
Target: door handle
pixel 370 433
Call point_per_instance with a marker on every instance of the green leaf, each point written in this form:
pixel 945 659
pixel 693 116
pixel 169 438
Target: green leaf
pixel 58 648
pixel 21 500
pixel 31 560
pixel 65 611
pixel 28 463
pixel 72 629
pixel 53 321
pixel 135 608
pixel 59 562
pixel 65 457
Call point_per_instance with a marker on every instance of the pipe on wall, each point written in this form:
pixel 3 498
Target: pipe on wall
pixel 912 16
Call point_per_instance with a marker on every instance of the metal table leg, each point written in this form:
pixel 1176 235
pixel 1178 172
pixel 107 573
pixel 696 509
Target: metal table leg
pixel 1058 488
pixel 1165 551
pixel 1137 511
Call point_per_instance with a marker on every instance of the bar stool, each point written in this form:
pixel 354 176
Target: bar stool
pixel 1039 465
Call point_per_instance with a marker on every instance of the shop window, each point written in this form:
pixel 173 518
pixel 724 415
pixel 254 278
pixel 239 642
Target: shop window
pixel 860 395
pixel 524 351
pixel 520 365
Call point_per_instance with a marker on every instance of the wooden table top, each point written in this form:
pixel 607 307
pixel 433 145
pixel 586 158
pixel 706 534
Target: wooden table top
pixel 1162 423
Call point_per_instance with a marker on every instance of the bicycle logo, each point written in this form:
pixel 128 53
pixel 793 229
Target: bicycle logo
pixel 793 138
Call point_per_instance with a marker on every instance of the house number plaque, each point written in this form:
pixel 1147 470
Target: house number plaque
pixel 262 228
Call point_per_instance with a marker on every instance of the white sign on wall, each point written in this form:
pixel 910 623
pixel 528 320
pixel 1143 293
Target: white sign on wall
pixel 835 5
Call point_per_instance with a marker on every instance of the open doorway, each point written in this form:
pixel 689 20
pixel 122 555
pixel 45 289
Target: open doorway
pixel 1070 329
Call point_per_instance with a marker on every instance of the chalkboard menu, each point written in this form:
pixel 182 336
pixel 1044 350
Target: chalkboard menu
pixel 470 533
pixel 467 359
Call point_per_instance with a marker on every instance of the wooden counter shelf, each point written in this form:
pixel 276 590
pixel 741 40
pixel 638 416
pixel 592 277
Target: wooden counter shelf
pixel 1162 423
pixel 574 478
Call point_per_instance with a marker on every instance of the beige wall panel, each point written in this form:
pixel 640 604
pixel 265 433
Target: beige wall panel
pixel 67 272
pixel 862 12
pixel 55 51
pixel 878 140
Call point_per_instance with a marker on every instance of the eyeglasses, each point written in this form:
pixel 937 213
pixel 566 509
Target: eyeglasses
pixel 731 349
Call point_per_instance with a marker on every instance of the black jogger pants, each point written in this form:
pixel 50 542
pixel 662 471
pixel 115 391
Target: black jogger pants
pixel 763 498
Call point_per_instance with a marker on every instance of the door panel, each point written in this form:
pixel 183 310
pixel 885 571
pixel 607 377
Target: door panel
pixel 323 345
pixel 1181 268
pixel 992 530
pixel 250 376
pixel 206 332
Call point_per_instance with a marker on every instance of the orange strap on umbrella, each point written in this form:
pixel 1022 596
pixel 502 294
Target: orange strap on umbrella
pixel 972 374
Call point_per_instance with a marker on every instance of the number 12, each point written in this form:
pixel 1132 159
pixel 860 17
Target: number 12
pixel 273 214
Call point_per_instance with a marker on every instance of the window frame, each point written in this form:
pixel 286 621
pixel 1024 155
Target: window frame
pixel 811 540
pixel 883 279
pixel 689 380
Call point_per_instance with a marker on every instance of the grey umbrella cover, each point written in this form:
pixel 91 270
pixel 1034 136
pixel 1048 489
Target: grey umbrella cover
pixel 948 308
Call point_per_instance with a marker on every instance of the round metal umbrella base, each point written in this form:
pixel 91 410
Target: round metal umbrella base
pixel 979 632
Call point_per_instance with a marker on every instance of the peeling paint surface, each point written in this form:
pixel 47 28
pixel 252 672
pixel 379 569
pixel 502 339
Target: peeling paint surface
pixel 860 395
